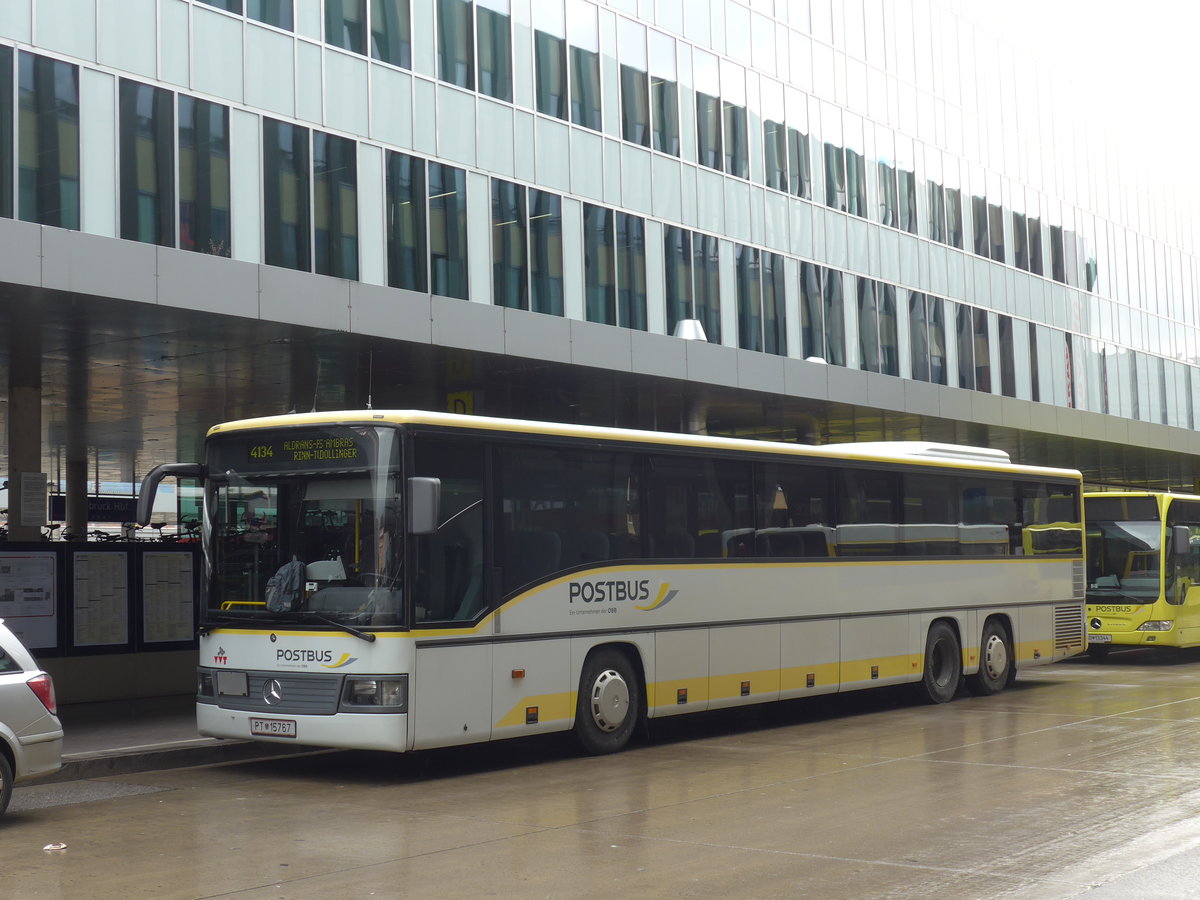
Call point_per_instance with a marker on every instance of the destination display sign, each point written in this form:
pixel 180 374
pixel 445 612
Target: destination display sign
pixel 277 451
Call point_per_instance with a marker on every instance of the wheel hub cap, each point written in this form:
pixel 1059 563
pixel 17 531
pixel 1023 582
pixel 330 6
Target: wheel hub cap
pixel 995 657
pixel 610 700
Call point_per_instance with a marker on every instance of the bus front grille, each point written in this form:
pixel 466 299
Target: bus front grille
pixel 295 694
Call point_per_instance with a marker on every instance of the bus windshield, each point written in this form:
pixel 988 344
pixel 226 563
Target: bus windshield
pixel 306 528
pixel 1123 561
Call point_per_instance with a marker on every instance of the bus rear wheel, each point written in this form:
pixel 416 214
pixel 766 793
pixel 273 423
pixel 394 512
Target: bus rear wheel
pixel 995 661
pixel 609 704
pixel 943 664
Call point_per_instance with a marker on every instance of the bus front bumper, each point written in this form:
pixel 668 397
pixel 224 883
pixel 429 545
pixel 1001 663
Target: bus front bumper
pixel 346 731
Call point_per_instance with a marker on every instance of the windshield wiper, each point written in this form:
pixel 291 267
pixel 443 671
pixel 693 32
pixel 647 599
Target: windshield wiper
pixel 349 629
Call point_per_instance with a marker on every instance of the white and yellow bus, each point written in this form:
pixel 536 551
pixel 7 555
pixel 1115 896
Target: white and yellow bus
pixel 404 580
pixel 1143 559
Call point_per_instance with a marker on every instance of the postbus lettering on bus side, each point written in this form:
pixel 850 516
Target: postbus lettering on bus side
pixel 609 591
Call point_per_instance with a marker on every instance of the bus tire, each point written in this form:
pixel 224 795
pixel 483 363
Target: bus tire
pixel 943 664
pixel 1099 652
pixel 610 702
pixel 995 661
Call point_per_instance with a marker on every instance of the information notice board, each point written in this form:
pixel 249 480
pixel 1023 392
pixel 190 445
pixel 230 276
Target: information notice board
pixel 29 597
pixel 168 605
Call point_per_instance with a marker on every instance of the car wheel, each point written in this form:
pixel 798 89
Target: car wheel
pixel 6 783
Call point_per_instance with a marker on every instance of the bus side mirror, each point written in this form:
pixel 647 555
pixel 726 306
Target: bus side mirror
pixel 424 503
pixel 1181 540
pixel 145 503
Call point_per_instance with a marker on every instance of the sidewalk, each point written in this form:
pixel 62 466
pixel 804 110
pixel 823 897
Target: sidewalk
pixel 125 736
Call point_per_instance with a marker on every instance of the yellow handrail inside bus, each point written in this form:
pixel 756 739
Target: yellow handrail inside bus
pixel 230 604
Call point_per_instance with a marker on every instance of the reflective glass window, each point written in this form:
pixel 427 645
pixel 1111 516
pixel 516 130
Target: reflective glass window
pixel 447 231
pixel 954 218
pixel 6 131
pixel 233 6
pixel 545 252
pixel 677 270
pixel 936 312
pixel 708 111
pixel 1035 229
pixel 811 316
pixel 707 277
pixel 774 304
pixel 748 279
pixel 835 158
pixel 1058 263
pixel 204 176
pixel 550 58
pixel 983 352
pixel 1020 242
pixel 885 181
pixel 493 26
pixel 456 43
pixel 868 324
pixel 510 260
pixel 146 127
pixel 889 340
pixel 996 232
pixel 599 265
pixel 345 24
pixel 391 32
pixel 979 226
pixel 775 149
pixel 48 141
pixel 583 37
pixel 835 320
pixel 631 271
pixel 1008 359
pixel 335 205
pixel 405 210
pixel 907 183
pixel 918 337
pixel 966 344
pixel 799 158
pixel 273 12
pixel 286 193
pixel 635 82
pixel 856 172
pixel 733 113
pixel 664 94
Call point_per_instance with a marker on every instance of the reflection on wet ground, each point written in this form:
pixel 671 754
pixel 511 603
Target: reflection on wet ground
pixel 1085 776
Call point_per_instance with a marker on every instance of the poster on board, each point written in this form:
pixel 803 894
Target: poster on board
pixel 101 601
pixel 168 602
pixel 28 597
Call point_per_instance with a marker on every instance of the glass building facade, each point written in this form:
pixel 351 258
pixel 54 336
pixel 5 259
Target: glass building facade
pixel 882 188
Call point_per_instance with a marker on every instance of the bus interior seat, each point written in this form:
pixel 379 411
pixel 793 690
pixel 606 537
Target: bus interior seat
pixel 674 545
pixel 582 547
pixel 535 552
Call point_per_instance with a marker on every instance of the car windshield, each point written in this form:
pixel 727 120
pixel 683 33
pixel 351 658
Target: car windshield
pixel 307 546
pixel 1123 561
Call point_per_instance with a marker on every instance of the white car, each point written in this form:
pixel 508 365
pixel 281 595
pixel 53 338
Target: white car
pixel 30 734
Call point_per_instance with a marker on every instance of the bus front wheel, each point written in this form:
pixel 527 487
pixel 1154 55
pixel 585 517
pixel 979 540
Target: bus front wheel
pixel 609 703
pixel 943 664
pixel 995 661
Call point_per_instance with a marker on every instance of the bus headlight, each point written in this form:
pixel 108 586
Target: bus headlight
pixel 204 684
pixel 390 694
pixel 1156 625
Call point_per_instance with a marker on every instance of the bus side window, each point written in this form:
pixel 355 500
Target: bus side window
pixel 449 570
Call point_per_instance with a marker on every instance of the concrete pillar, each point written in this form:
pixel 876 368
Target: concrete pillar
pixel 76 524
pixel 26 515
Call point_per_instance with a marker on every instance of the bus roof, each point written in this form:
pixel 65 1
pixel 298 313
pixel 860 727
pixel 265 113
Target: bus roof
pixel 925 452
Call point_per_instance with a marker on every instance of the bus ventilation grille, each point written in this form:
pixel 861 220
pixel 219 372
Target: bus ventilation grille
pixel 1068 627
pixel 1079 580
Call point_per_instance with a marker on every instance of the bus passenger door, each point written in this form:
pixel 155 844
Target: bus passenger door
pixel 1182 589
